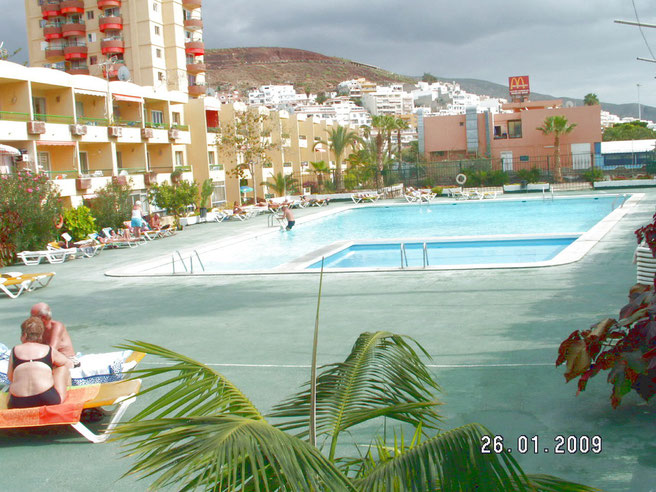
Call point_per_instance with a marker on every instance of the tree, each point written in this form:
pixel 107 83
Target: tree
pixel 248 138
pixel 557 126
pixel 112 205
pixel 399 126
pixel 339 140
pixel 362 163
pixel 321 98
pixel 175 198
pixel 320 168
pixel 383 125
pixel 204 433
pixel 590 99
pixel 430 78
pixel 633 130
pixel 282 184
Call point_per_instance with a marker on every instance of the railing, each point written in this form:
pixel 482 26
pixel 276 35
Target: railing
pixel 214 129
pixel 177 126
pixel 131 123
pixel 134 170
pixel 84 120
pixel 425 258
pixel 404 256
pixel 53 118
pixel 620 198
pixel 150 124
pixel 191 262
pixel 14 116
pixel 216 167
pixel 183 169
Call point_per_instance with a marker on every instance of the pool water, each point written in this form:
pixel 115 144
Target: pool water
pixel 274 249
pixel 470 252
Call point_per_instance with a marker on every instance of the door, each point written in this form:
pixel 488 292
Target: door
pixel 506 161
pixel 581 156
pixel 44 162
pixel 84 163
pixel 39 104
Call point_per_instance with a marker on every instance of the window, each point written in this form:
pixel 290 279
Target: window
pixel 44 161
pixel 158 53
pixel 158 116
pixel 42 23
pixel 84 163
pixel 515 129
pixel 79 108
pixel 155 7
pixel 157 30
pixel 218 196
pixel 89 14
pixel 176 118
pixel 44 45
pixel 287 164
pixel 211 158
pixel 91 37
pixel 160 76
pixel 179 158
pixel 93 60
pixel 119 159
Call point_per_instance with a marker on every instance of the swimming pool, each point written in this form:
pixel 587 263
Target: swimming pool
pixel 327 232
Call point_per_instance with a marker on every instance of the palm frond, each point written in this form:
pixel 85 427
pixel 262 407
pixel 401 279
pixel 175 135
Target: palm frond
pixel 548 483
pixel 193 389
pixel 226 453
pixel 383 376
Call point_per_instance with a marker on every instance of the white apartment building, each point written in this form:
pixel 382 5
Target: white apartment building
pixel 340 109
pixel 275 96
pixel 391 100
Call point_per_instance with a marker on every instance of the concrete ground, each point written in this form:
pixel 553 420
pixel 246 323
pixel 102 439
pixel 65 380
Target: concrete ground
pixel 493 336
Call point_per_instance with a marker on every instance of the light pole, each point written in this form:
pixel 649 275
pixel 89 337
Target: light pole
pixel 639 112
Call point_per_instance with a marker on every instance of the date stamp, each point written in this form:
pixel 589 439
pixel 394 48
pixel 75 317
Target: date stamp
pixel 582 444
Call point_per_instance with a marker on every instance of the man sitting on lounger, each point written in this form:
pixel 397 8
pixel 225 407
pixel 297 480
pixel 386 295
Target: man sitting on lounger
pixel 54 333
pixel 38 373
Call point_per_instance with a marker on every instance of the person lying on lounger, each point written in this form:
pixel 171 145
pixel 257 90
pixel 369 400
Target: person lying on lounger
pixel 38 374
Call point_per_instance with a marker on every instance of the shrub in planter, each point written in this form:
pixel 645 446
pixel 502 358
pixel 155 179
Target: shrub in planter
pixel 79 222
pixel 593 174
pixel 175 198
pixel 625 347
pixel 29 209
pixel 529 175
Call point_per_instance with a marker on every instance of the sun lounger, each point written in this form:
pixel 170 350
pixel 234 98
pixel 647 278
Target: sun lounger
pixel 14 283
pixel 152 234
pixel 51 255
pixel 118 394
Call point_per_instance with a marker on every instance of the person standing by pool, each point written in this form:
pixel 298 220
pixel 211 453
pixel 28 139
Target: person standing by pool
pixel 288 214
pixel 137 218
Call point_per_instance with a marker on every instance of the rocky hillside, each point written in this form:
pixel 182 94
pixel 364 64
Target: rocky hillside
pixel 246 68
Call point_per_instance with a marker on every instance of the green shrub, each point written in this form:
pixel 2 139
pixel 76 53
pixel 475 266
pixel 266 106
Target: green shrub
pixel 175 198
pixel 475 178
pixel 437 190
pixel 29 208
pixel 350 181
pixel 111 206
pixel 497 178
pixel 529 175
pixel 593 174
pixel 485 178
pixel 79 222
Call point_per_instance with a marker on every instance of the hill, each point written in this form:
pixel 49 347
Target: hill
pixel 246 68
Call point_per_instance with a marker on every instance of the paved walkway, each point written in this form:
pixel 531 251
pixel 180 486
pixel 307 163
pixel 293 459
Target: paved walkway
pixel 493 335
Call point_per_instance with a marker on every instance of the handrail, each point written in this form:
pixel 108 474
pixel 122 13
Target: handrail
pixel 49 117
pixel 86 120
pixel 182 260
pixel 403 256
pixel 426 262
pixel 199 260
pixel 14 116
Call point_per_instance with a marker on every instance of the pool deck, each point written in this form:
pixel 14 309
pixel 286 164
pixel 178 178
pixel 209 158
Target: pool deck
pixel 493 336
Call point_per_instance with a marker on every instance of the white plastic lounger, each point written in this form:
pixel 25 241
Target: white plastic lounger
pixel 32 257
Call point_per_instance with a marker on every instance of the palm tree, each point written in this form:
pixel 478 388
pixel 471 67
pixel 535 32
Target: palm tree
pixel 382 126
pixel 399 126
pixel 320 168
pixel 204 433
pixel 556 126
pixel 339 139
pixel 590 99
pixel 281 184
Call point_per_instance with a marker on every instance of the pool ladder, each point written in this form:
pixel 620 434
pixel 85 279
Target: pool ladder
pixel 404 256
pixel 544 194
pixel 622 197
pixel 184 264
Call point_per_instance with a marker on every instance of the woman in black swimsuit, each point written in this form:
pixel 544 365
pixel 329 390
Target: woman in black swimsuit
pixel 38 373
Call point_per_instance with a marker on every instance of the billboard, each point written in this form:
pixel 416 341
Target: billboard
pixel 518 85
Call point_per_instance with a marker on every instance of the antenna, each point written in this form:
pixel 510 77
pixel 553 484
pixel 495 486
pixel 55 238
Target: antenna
pixel 123 73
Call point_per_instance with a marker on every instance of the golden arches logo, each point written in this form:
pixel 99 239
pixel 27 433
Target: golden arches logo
pixel 518 83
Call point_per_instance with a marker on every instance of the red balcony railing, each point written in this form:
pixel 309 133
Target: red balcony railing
pixel 54 52
pixel 112 46
pixel 75 52
pixel 195 48
pixel 195 68
pixel 197 90
pixel 110 23
pixel 73 29
pixel 78 70
pixel 72 7
pixel 192 4
pixel 108 4
pixel 52 32
pixel 193 24
pixel 50 9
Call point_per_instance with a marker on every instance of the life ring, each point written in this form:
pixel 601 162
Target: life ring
pixel 461 179
pixel 59 221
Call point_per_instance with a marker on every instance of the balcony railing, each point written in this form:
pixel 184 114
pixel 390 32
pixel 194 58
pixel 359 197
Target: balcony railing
pixel 214 129
pixel 193 24
pixel 110 23
pixel 130 123
pixel 73 28
pixel 50 9
pixel 112 45
pixel 81 69
pixel 108 4
pixel 53 118
pixel 195 68
pixel 52 31
pixel 55 52
pixel 178 126
pixel 150 124
pixel 85 120
pixel 72 7
pixel 75 51
pixel 195 48
pixel 197 90
pixel 14 116
pixel 192 4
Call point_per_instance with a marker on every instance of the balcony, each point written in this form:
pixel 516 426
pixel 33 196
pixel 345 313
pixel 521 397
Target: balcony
pixel 78 70
pixel 54 52
pixel 111 46
pixel 52 32
pixel 193 24
pixel 195 48
pixel 75 52
pixel 110 23
pixel 50 9
pixel 192 4
pixel 110 72
pixel 73 28
pixel 197 90
pixel 195 68
pixel 108 4
pixel 72 7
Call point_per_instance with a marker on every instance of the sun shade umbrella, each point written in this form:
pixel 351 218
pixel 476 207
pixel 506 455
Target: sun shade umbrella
pixel 6 149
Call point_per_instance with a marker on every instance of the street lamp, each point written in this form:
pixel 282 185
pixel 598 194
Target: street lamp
pixel 639 112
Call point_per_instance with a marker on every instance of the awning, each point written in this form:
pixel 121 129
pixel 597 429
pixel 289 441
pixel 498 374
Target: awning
pixel 54 142
pixel 90 93
pixel 122 97
pixel 6 149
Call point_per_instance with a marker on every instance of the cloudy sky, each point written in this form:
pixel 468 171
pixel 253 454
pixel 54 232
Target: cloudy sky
pixel 568 48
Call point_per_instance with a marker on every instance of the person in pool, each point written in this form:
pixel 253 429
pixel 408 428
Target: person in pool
pixel 38 374
pixel 289 215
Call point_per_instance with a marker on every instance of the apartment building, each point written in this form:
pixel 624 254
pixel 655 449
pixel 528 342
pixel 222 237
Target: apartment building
pixel 274 96
pixel 341 109
pixel 391 100
pixel 160 43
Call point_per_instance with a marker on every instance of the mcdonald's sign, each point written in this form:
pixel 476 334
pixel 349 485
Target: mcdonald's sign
pixel 518 85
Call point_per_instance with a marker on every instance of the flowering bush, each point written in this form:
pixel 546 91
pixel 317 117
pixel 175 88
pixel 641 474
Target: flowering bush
pixel 29 209
pixel 625 347
pixel 79 222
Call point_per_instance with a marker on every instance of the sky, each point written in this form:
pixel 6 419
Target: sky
pixel 567 48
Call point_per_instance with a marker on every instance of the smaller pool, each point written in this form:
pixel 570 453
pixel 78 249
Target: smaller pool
pixel 436 253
